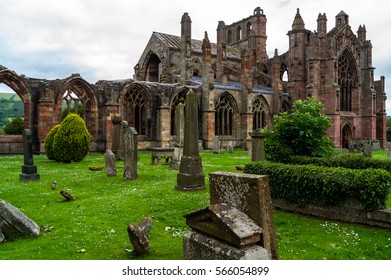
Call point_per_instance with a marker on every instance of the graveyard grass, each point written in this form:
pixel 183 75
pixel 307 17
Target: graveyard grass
pixel 93 226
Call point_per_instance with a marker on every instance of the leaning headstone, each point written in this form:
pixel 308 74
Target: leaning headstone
pixel 361 146
pixel 29 170
pixel 129 139
pixel 138 236
pixel 250 194
pixel 111 167
pixel 14 223
pixel 190 176
pixel 67 195
pixel 216 145
pixel 258 145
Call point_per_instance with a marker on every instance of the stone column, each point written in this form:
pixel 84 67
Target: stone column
pixel 190 175
pixel 258 146
pixel 129 139
pixel 29 170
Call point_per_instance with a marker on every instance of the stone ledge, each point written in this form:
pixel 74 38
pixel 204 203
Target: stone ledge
pixel 197 246
pixel 347 213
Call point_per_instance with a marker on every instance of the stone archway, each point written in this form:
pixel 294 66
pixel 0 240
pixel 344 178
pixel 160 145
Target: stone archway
pixel 347 134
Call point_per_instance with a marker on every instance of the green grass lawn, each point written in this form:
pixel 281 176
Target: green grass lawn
pixel 94 225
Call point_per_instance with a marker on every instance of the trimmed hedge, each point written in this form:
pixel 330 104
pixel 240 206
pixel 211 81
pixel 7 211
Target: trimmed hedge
pixel 49 142
pixel 72 140
pixel 346 160
pixel 309 184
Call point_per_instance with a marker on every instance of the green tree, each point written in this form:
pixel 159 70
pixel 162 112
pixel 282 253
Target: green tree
pixel 301 132
pixel 15 127
pixel 72 140
pixel 388 130
pixel 49 142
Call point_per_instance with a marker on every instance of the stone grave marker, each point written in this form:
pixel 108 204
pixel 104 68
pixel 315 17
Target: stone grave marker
pixel 29 170
pixel 250 194
pixel 230 147
pixel 111 167
pixel 190 176
pixel 129 139
pixel 258 146
pixel 14 223
pixel 216 145
pixel 116 146
pixel 138 236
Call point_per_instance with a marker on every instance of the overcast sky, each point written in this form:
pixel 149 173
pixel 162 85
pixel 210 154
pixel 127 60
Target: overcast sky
pixel 103 39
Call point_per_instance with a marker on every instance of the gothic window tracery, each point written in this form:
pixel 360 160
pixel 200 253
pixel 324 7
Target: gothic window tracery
pixel 258 111
pixel 134 110
pixel 346 81
pixel 224 115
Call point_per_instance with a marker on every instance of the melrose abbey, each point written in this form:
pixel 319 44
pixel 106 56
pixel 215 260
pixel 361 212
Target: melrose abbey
pixel 239 87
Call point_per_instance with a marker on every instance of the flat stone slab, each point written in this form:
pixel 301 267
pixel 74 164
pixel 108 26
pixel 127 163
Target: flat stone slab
pixel 14 222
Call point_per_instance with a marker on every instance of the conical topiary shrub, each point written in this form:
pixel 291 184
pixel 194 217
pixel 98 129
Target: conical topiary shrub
pixel 49 142
pixel 72 140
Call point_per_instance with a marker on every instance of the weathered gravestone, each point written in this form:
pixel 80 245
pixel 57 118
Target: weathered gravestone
pixel 388 148
pixel 190 176
pixel 250 194
pixel 258 146
pixel 14 223
pixel 129 138
pixel 179 132
pixel 111 167
pixel 29 170
pixel 230 147
pixel 116 146
pixel 361 146
pixel 216 145
pixel 138 236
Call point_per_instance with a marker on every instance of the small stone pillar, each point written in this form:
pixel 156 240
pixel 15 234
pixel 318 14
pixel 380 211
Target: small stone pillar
pixel 29 170
pixel 190 175
pixel 129 139
pixel 258 145
pixel 216 145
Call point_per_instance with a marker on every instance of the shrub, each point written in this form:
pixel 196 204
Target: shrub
pixel 346 160
pixel 309 184
pixel 302 131
pixel 15 127
pixel 49 142
pixel 72 140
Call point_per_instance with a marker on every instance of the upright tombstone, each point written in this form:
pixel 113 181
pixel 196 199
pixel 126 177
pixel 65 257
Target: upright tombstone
pixel 111 167
pixel 129 139
pixel 250 194
pixel 116 141
pixel 190 176
pixel 258 145
pixel 29 170
pixel 179 132
pixel 216 145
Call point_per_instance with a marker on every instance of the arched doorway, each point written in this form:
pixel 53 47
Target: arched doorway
pixel 347 134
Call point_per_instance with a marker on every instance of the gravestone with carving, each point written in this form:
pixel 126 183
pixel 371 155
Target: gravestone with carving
pixel 111 167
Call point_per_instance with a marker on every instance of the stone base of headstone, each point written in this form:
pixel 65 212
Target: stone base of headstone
pixel 197 246
pixel 14 223
pixel 190 182
pixel 29 173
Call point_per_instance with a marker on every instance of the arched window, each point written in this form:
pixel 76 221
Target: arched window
pixel 153 69
pixel 259 116
pixel 71 104
pixel 249 28
pixel 224 115
pixel 346 80
pixel 238 34
pixel 134 110
pixel 229 37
